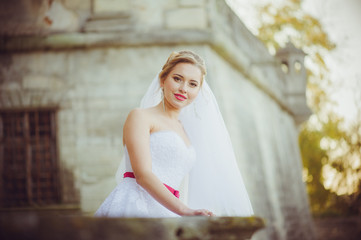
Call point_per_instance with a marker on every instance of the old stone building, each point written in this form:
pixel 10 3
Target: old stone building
pixel 71 70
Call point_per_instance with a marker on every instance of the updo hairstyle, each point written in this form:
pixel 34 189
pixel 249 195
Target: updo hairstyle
pixel 185 56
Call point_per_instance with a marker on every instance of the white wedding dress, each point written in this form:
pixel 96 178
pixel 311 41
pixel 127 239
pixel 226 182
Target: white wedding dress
pixel 172 160
pixel 214 181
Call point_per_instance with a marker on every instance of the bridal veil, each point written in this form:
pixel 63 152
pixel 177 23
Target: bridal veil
pixel 215 182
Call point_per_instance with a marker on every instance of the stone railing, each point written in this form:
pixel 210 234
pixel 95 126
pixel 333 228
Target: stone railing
pixel 35 226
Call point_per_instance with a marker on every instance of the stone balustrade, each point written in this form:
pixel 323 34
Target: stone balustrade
pixel 35 226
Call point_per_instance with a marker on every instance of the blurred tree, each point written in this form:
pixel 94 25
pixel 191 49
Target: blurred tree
pixel 331 158
pixel 331 152
pixel 289 22
pixel 343 145
pixel 312 156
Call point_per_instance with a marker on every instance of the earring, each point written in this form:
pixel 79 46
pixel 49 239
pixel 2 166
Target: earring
pixel 162 93
pixel 195 111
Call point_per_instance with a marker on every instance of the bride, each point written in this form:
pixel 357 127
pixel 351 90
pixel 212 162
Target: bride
pixel 178 135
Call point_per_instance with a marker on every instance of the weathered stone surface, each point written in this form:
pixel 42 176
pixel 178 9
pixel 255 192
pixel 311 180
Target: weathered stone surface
pixel 106 6
pixel 191 3
pixel 32 226
pixel 42 82
pixel 58 18
pixel 295 81
pixel 78 4
pixel 186 18
pixel 37 17
pixel 108 23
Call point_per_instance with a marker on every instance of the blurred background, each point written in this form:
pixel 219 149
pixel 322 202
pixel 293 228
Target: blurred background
pixel 330 139
pixel 285 73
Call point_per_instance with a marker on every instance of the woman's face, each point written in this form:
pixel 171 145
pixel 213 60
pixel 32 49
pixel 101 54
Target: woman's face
pixel 182 85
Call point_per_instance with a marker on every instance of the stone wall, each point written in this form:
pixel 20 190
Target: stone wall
pixel 265 140
pixel 95 66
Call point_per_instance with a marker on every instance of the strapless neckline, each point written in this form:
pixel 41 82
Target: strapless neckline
pixel 190 146
pixel 171 160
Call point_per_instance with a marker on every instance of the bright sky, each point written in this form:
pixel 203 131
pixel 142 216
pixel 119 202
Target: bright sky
pixel 341 20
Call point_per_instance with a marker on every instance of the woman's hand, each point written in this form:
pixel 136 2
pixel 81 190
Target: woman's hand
pixel 198 212
pixel 203 212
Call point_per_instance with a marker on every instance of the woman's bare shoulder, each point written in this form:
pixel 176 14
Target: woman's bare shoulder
pixel 140 118
pixel 137 112
pixel 136 116
pixel 141 114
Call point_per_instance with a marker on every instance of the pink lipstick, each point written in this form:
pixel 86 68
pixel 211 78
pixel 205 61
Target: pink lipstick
pixel 180 97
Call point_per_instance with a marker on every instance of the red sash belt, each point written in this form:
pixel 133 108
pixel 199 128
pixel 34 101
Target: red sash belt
pixel 172 190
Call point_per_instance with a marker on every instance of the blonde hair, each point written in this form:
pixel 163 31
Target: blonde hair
pixel 185 56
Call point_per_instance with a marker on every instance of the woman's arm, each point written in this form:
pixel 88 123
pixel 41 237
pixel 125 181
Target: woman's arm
pixel 136 136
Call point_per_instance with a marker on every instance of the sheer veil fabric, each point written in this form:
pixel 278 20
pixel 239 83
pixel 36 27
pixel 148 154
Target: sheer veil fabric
pixel 215 182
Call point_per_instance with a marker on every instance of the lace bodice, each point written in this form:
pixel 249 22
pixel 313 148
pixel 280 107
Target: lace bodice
pixel 172 159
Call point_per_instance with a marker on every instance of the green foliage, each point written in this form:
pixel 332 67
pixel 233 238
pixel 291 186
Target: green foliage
pixel 312 154
pixel 290 22
pixel 315 157
pixel 288 17
pixel 327 149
